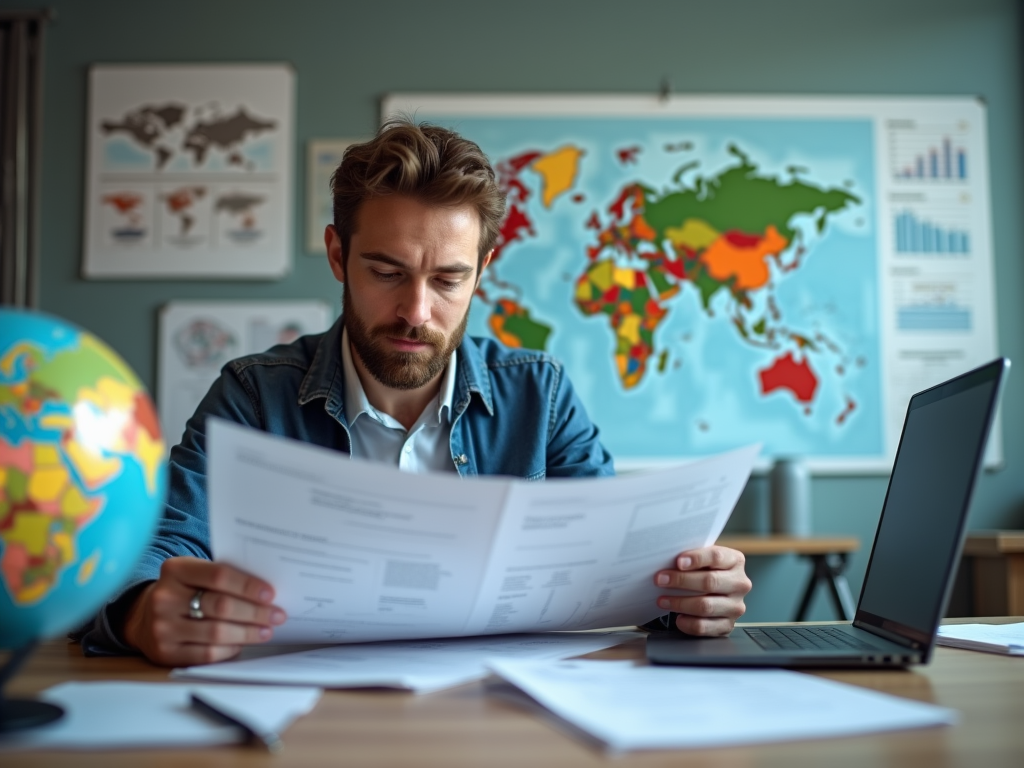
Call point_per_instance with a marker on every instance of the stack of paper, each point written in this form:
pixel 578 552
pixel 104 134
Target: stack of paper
pixel 123 715
pixel 625 707
pixel 421 666
pixel 992 638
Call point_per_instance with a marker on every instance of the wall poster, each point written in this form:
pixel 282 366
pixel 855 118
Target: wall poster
pixel 198 337
pixel 189 171
pixel 324 156
pixel 721 270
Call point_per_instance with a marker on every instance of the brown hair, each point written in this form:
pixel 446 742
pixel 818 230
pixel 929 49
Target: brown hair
pixel 433 164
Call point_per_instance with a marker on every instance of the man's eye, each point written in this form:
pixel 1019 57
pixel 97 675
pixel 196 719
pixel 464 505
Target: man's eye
pixel 449 285
pixel 384 277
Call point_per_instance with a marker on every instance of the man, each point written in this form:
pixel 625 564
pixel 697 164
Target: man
pixel 416 215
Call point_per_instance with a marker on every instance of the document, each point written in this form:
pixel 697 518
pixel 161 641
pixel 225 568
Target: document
pixel 992 638
pixel 359 551
pixel 624 706
pixel 421 666
pixel 126 715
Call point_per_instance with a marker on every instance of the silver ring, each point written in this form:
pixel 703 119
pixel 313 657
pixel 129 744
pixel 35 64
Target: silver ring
pixel 195 610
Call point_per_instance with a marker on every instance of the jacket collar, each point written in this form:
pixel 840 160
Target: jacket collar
pixel 326 378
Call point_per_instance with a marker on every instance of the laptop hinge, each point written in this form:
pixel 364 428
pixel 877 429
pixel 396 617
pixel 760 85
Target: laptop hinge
pixel 888 635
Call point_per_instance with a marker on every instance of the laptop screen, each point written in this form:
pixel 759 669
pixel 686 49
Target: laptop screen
pixel 920 531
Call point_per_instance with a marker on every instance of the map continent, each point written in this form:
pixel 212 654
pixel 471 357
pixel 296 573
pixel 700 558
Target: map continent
pixel 678 274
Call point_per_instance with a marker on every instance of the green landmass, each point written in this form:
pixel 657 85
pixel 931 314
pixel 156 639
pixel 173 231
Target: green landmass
pixel 531 334
pixel 739 199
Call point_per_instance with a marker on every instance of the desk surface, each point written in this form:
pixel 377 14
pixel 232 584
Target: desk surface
pixel 993 543
pixel 777 544
pixel 464 727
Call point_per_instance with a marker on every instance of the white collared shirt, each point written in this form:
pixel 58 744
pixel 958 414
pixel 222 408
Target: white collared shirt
pixel 379 437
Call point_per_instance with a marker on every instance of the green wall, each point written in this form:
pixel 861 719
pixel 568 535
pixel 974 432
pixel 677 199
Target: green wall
pixel 348 54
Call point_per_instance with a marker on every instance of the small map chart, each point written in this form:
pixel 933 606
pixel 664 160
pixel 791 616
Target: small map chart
pixel 190 171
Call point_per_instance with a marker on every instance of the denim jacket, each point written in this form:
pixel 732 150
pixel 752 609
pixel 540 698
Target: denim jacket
pixel 514 413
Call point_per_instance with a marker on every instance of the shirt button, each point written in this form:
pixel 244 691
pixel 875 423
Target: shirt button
pixel 408 449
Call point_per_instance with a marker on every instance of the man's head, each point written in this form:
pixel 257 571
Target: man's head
pixel 417 212
pixel 431 164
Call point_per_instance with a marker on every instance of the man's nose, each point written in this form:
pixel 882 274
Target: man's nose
pixel 414 307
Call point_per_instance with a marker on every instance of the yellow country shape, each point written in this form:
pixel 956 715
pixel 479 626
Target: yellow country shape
pixel 87 568
pixel 629 328
pixel 56 421
pixel 65 545
pixel 75 504
pixel 625 278
pixel 601 275
pixel 695 234
pixel 31 530
pixel 45 455
pixel 150 453
pixel 34 592
pixel 46 484
pixel 558 172
pixel 94 469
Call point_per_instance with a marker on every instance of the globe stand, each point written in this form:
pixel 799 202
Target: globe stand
pixel 22 714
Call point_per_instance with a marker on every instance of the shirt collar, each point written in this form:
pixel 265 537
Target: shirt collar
pixel 357 404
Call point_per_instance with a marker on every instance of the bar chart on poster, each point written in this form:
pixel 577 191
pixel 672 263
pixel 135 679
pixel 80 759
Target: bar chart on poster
pixel 719 270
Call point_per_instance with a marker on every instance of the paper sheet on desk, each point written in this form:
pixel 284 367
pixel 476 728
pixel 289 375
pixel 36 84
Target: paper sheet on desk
pixel 127 715
pixel 360 551
pixel 1007 639
pixel 416 665
pixel 625 707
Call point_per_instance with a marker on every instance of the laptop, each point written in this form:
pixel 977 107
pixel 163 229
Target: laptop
pixel 914 556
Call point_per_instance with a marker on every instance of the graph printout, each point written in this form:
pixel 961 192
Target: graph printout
pixel 189 171
pixel 715 271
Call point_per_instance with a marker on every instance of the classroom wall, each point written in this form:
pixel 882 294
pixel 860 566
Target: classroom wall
pixel 347 55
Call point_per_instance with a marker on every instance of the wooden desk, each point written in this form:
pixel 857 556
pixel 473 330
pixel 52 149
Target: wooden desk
pixel 998 571
pixel 465 727
pixel 828 556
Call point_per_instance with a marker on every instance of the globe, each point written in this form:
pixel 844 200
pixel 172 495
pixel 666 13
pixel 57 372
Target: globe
pixel 82 475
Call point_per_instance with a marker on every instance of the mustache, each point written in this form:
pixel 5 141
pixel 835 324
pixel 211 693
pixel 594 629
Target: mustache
pixel 411 333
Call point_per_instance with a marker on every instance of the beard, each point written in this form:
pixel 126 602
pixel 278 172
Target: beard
pixel 394 369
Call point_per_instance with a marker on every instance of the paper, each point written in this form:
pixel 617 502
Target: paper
pixel 421 666
pixel 627 707
pixel 992 638
pixel 124 715
pixel 360 551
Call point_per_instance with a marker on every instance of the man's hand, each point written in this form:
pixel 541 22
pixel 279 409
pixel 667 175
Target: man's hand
pixel 236 608
pixel 717 583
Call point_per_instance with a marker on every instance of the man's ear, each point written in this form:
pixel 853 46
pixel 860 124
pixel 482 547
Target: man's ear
pixel 334 255
pixel 483 265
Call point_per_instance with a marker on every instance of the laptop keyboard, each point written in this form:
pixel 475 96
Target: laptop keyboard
pixel 807 638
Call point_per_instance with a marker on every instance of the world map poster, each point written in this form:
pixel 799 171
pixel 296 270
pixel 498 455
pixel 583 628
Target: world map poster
pixel 189 171
pixel 715 271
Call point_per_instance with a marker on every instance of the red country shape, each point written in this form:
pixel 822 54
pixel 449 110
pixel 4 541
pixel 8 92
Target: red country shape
pixel 742 239
pixel 511 229
pixel 521 161
pixel 787 373
pixel 627 154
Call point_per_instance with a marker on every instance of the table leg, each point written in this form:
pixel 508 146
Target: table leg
pixel 842 598
pixel 830 570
